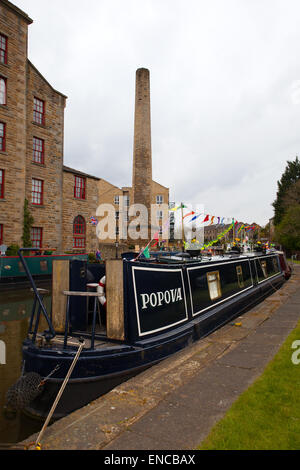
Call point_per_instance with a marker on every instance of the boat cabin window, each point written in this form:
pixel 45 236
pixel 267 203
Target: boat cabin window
pixel 43 265
pixel 275 264
pixel 214 285
pixel 264 268
pixel 239 272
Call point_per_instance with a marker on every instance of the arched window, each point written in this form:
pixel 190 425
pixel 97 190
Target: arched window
pixel 79 232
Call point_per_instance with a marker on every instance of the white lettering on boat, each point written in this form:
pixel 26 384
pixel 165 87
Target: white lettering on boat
pixel 156 299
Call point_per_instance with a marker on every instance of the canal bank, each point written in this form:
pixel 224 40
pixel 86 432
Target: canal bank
pixel 174 404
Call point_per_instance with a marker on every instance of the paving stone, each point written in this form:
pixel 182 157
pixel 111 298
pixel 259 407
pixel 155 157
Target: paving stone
pixel 141 442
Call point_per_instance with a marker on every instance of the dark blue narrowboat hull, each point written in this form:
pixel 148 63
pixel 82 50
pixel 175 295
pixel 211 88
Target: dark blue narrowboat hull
pixel 150 338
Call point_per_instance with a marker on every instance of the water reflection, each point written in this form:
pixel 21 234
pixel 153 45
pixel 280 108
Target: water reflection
pixel 15 311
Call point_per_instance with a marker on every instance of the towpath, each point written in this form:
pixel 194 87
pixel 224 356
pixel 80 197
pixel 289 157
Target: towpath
pixel 173 405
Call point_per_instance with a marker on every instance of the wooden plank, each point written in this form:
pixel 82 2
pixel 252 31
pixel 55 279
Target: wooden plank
pixel 80 294
pixel 114 299
pixel 60 282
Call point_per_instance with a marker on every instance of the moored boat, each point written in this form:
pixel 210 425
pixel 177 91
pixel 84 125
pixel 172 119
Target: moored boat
pixel 154 308
pixel 12 270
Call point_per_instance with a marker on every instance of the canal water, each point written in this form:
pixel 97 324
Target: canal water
pixel 15 311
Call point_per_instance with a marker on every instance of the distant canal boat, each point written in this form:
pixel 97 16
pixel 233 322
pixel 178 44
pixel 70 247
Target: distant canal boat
pixel 12 270
pixel 150 310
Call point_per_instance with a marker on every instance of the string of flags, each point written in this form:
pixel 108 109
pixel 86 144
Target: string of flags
pixel 214 220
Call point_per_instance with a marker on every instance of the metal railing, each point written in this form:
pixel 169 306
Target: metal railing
pixel 37 300
pixel 67 319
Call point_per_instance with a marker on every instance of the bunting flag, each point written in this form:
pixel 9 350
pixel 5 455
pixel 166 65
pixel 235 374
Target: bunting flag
pixel 146 252
pixel 182 206
pixel 212 220
pixel 206 219
pixel 154 240
pixel 196 217
pixel 93 220
pixel 190 213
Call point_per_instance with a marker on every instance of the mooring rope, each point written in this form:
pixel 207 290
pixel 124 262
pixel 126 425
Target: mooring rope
pixel 37 443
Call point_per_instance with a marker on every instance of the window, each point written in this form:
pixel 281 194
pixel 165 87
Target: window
pixel 79 232
pixel 3 49
pixel 44 265
pixel 38 111
pixel 1 234
pixel 159 215
pixel 37 191
pixel 214 286
pixel 2 136
pixel 117 200
pixel 36 237
pixel 79 187
pixel 1 184
pixel 275 265
pixel 117 215
pixel 2 90
pixel 126 201
pixel 160 231
pixel 239 272
pixel 38 150
pixel 159 199
pixel 264 268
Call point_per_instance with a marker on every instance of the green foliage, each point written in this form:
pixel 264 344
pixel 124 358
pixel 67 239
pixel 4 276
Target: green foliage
pixel 92 258
pixel 287 233
pixel 290 176
pixel 12 250
pixel 27 224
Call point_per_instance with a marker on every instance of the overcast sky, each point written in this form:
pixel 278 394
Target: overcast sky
pixel 225 92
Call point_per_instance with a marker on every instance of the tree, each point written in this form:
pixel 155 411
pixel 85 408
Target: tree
pixel 265 231
pixel 27 224
pixel 292 196
pixel 290 176
pixel 288 231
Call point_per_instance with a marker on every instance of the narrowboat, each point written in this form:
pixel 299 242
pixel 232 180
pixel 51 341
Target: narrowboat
pixel 151 308
pixel 12 270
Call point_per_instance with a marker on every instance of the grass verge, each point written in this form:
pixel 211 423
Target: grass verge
pixel 293 261
pixel 267 415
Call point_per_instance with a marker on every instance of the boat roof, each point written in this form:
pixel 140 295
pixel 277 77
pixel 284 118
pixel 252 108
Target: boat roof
pixel 177 259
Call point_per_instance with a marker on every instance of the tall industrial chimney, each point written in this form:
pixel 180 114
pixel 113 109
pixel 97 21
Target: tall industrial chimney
pixel 142 154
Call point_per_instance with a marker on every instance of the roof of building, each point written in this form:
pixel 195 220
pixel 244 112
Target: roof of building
pixel 17 10
pixel 46 81
pixel 80 173
pixel 165 187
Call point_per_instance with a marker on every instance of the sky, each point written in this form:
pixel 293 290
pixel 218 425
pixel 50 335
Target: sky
pixel 225 92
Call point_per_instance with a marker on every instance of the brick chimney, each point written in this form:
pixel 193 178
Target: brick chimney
pixel 142 154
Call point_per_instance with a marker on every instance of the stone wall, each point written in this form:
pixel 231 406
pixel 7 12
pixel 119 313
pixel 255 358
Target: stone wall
pixel 73 207
pixel 14 26
pixel 48 216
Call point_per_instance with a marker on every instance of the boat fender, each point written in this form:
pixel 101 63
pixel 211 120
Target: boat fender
pixel 101 291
